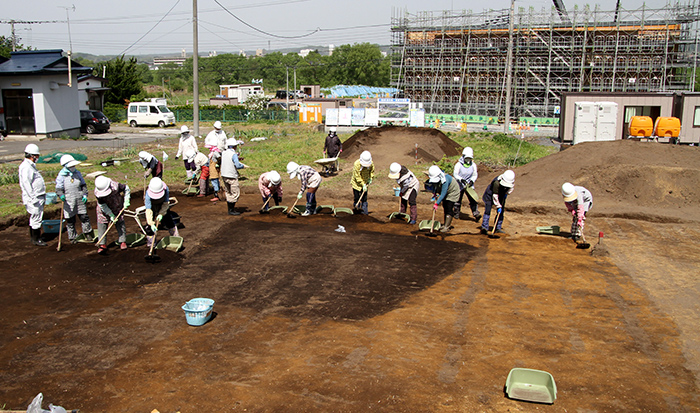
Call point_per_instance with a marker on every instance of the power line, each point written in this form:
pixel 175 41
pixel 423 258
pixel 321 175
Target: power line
pixel 262 31
pixel 151 29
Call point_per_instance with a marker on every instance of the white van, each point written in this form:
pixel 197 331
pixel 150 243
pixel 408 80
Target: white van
pixel 149 113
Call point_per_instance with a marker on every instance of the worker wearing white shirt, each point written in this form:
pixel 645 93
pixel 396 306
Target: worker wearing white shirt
pixel 33 192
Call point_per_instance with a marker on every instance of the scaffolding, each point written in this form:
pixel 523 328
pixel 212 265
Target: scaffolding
pixel 455 62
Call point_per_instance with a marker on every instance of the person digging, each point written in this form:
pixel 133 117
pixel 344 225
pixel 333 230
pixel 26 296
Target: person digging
pixel 362 174
pixel 112 199
pixel 409 189
pixel 72 190
pixel 446 192
pixel 151 165
pixel 201 163
pixel 229 174
pixel 495 195
pixel 310 181
pixel 270 186
pixel 578 201
pixel 465 172
pixel 157 203
pixel 33 192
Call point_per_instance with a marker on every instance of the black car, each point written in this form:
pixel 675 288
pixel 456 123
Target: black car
pixel 93 121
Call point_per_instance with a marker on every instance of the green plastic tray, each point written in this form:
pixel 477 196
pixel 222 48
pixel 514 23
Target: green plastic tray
pixel 278 208
pixel 170 243
pixel 81 238
pixel 531 385
pixel 552 230
pixel 325 209
pixel 342 210
pixel 426 224
pixel 400 215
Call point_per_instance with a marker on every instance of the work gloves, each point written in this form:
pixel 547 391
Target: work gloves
pixel 127 202
pixel 364 188
pixel 299 195
pixel 84 199
pixel 435 205
pixel 499 210
pixel 113 218
pixel 63 198
pixel 154 228
pixel 177 156
pixel 145 174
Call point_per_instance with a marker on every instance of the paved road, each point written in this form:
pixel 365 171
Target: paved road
pixel 12 148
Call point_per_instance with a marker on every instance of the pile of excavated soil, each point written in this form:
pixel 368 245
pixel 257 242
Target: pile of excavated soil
pixel 623 176
pixel 400 144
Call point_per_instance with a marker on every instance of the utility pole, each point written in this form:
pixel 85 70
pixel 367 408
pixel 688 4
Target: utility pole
pixel 195 69
pixel 14 37
pixel 70 46
pixel 287 94
pixel 509 68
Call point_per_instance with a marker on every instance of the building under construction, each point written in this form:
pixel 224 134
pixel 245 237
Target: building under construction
pixel 458 62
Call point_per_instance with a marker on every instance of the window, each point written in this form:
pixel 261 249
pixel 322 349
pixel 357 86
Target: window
pixel 143 109
pixel 133 109
pixel 696 117
pixel 153 109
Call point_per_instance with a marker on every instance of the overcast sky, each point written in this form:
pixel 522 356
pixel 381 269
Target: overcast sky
pixel 165 26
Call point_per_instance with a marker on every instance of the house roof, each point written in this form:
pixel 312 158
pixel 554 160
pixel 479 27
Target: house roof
pixel 38 62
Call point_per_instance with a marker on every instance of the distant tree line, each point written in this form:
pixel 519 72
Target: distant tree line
pixel 357 64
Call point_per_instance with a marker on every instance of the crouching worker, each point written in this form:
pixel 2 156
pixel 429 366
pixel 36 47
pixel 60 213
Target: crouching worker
pixel 310 181
pixel 157 203
pixel 446 192
pixel 270 185
pixel 495 195
pixel 409 189
pixel 201 163
pixel 73 191
pixel 578 201
pixel 112 199
pixel 151 164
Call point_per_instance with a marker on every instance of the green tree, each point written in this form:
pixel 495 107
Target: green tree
pixel 123 78
pixel 6 46
pixel 359 64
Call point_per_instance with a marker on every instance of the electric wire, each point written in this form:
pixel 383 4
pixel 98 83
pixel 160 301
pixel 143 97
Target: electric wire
pixel 151 29
pixel 262 31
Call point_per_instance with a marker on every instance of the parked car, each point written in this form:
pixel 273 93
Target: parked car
pixel 150 113
pixel 92 121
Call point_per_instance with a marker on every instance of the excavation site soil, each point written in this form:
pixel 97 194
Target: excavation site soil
pixel 351 313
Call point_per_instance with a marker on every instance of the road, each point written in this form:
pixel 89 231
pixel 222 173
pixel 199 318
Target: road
pixel 12 148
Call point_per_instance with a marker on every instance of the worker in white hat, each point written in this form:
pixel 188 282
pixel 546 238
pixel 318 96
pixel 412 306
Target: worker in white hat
pixel 495 195
pixel 33 192
pixel 362 175
pixel 409 188
pixel 72 190
pixel 270 185
pixel 578 202
pixel 216 143
pixel 216 138
pixel 332 148
pixel 310 181
pixel 157 203
pixel 112 198
pixel 187 148
pixel 230 164
pixel 445 192
pixel 151 165
pixel 466 174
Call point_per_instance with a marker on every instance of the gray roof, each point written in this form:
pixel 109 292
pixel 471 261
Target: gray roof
pixel 38 62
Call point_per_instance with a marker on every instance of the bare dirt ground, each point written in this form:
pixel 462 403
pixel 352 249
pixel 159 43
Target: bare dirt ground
pixel 380 317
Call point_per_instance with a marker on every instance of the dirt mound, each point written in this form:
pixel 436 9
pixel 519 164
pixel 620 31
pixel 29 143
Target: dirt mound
pixel 660 179
pixel 400 144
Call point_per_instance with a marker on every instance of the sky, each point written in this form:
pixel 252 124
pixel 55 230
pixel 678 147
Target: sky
pixel 135 27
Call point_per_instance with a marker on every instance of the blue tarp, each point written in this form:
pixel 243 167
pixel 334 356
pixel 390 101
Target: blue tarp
pixel 343 91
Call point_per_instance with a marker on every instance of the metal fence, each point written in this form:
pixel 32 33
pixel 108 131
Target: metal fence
pixel 223 115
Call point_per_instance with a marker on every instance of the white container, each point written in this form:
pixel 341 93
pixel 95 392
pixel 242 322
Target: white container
pixel 606 121
pixel 584 122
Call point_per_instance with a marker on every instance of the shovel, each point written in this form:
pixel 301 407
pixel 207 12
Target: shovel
pixel 111 224
pixel 262 210
pixel 60 227
pixel 289 214
pixel 583 245
pixel 359 202
pixel 153 258
pixel 432 225
pixel 493 231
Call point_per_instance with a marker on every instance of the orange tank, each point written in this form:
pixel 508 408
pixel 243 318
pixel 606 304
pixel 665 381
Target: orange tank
pixel 667 127
pixel 641 126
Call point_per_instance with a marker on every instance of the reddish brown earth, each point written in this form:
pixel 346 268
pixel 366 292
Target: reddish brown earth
pixel 380 317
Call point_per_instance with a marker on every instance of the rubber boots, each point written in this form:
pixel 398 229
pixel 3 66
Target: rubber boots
pixel 35 235
pixel 365 209
pixel 457 209
pixel 174 232
pixel 202 188
pixel 414 214
pixel 448 223
pixel 232 209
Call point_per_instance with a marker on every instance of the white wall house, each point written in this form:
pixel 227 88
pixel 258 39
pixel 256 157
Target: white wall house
pixel 36 98
pixel 240 92
pixel 91 92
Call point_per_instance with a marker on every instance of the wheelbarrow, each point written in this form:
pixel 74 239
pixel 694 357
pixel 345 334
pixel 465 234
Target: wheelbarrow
pixel 329 165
